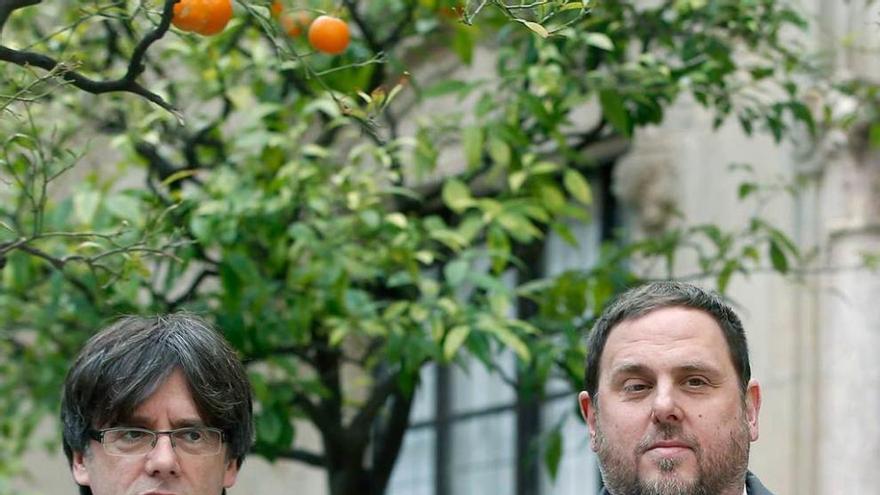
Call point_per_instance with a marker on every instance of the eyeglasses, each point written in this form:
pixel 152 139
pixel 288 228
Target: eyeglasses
pixel 138 441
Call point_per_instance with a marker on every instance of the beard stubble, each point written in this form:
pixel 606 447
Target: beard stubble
pixel 717 470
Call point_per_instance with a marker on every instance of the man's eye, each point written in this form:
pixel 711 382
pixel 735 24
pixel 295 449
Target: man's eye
pixel 695 382
pixel 131 435
pixel 635 387
pixel 192 436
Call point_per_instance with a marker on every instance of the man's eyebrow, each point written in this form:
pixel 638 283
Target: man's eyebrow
pixel 633 368
pixel 188 423
pixel 145 422
pixel 698 367
pixel 630 369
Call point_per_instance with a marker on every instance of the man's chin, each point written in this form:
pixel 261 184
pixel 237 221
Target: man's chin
pixel 677 468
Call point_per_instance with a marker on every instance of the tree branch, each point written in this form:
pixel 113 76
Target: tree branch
pixel 365 29
pixel 388 450
pixel 361 423
pixel 406 21
pixel 127 83
pixel 327 414
pixel 8 6
pixel 329 428
pixel 305 456
pixel 191 290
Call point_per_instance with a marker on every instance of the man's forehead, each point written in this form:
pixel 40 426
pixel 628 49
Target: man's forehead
pixel 676 337
pixel 171 402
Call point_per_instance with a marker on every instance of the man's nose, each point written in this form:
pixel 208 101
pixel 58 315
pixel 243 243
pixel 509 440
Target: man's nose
pixel 162 460
pixel 665 407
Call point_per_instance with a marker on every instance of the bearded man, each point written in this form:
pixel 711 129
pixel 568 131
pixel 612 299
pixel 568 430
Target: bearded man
pixel 670 403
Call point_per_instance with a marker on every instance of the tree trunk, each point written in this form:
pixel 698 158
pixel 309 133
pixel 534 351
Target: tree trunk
pixel 350 472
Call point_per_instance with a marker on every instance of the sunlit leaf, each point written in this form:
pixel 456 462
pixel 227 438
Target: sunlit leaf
pixel 577 186
pixel 536 28
pixel 454 339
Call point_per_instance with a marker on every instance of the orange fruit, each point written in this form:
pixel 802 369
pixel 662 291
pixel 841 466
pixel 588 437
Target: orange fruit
pixel 277 8
pixel 294 24
pixel 329 34
pixel 205 17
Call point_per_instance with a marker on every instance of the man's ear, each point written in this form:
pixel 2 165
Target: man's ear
pixel 753 407
pixel 79 469
pixel 588 411
pixel 231 473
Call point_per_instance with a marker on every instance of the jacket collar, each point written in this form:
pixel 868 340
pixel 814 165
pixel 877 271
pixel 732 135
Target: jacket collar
pixel 753 486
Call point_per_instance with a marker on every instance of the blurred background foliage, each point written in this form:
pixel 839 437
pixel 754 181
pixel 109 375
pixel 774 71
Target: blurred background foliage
pixel 310 206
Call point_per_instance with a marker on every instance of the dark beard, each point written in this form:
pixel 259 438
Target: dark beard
pixel 715 472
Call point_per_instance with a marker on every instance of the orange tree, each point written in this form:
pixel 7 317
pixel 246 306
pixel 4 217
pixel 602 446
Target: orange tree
pixel 340 228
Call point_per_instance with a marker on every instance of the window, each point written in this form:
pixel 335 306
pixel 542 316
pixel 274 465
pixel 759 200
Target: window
pixel 469 432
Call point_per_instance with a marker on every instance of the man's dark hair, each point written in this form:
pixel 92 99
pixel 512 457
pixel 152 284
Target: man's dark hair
pixel 122 366
pixel 640 301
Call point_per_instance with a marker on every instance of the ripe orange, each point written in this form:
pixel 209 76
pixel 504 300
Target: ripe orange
pixel 205 17
pixel 294 24
pixel 329 34
pixel 277 8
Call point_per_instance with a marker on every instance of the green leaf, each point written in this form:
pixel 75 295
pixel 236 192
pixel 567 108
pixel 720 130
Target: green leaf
pixel 508 338
pixel 337 335
pixel 874 135
pixel 802 113
pixel 179 175
pixel 457 196
pixel 463 42
pixel 536 28
pixel 454 339
pixel 445 87
pixel 543 167
pixel 269 427
pixel 777 257
pixel 472 142
pixel 551 197
pixel 614 110
pixel 87 245
pixel 518 226
pixel 125 207
pixel 425 257
pixel 563 231
pixel 499 151
pixel 746 189
pixel 316 151
pixel 499 249
pixel 600 40
pixel 553 452
pixel 85 204
pixel 577 186
pixel 393 94
pixel 455 271
pixel 397 219
pixel 516 180
pixel 724 277
pixel 450 238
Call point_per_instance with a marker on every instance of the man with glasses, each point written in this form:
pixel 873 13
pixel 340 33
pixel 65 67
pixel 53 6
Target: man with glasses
pixel 158 406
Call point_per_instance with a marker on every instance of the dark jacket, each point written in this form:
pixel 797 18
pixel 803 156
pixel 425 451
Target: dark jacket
pixel 753 486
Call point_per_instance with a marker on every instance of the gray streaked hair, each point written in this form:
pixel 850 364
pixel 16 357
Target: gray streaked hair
pixel 122 366
pixel 641 300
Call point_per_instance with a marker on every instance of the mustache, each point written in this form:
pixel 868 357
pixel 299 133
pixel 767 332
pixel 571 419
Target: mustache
pixel 667 432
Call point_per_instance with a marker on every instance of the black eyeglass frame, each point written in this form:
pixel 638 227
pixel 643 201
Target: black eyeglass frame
pixel 98 435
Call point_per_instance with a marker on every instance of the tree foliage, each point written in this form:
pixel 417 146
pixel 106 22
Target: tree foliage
pixel 312 207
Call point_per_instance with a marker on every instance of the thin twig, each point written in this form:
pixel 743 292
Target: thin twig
pixel 126 83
